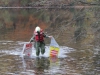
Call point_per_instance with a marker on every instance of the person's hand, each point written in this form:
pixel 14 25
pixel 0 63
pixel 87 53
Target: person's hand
pixel 50 36
pixel 31 41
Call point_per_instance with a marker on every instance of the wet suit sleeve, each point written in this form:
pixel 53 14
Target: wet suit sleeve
pixel 46 36
pixel 32 38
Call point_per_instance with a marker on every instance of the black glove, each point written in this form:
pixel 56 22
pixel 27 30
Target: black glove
pixel 31 40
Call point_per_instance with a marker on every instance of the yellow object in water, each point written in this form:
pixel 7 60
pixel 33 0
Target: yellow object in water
pixel 54 51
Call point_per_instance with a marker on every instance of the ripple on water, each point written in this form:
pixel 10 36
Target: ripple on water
pixel 69 61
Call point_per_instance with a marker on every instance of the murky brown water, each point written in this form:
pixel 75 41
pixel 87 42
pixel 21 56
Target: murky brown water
pixel 76 62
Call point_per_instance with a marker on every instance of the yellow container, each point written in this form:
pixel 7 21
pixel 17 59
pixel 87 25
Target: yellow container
pixel 54 51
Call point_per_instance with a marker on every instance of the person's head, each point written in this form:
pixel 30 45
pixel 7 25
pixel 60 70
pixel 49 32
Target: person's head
pixel 37 29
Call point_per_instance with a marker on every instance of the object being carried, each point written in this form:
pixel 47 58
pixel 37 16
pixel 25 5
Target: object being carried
pixel 54 48
pixel 27 49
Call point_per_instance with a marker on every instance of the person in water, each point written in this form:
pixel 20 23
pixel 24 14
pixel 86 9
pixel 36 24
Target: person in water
pixel 38 37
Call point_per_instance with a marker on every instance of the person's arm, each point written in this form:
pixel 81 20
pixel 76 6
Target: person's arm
pixel 32 39
pixel 47 36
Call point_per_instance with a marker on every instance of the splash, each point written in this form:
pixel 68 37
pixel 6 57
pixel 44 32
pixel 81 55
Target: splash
pixel 17 50
pixel 62 52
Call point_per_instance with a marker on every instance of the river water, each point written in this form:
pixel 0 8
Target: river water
pixel 69 61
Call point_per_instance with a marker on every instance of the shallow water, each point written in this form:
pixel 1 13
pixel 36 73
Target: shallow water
pixel 69 61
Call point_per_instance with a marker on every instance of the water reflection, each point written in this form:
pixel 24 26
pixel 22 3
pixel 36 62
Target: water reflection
pixel 38 64
pixel 54 65
pixel 41 65
pixel 86 62
pixel 70 61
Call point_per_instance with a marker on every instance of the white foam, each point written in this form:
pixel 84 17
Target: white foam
pixel 18 51
pixel 62 52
